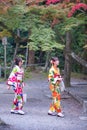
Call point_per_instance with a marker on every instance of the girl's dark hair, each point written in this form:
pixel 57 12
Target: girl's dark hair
pixel 17 60
pixel 53 59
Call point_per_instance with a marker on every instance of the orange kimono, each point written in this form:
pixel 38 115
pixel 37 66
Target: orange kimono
pixel 54 74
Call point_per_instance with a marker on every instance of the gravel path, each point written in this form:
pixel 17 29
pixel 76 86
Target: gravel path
pixel 36 109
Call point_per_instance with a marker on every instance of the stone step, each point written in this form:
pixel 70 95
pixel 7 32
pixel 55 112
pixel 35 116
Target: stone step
pixel 80 98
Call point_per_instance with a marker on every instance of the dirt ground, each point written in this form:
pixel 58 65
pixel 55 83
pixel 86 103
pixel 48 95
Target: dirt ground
pixel 36 108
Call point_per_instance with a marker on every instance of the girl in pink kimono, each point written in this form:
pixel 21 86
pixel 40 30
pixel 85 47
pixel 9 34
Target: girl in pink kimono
pixel 16 81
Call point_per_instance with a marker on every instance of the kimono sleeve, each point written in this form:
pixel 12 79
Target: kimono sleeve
pixel 13 73
pixel 13 77
pixel 51 77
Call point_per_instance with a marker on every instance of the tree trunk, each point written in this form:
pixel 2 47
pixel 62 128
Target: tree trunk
pixel 31 59
pixel 26 57
pixel 40 57
pixel 15 53
pixel 67 66
pixel 47 61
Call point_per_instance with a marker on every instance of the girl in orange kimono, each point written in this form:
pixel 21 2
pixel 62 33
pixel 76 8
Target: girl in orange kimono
pixel 54 80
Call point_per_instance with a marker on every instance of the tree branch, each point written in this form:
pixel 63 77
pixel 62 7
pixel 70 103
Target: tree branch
pixel 78 59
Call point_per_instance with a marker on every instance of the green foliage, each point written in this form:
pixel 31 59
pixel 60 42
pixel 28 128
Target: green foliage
pixel 79 37
pixel 37 21
pixel 14 16
pixel 69 24
pixel 18 10
pixel 5 33
pixel 9 54
pixel 19 1
pixel 43 38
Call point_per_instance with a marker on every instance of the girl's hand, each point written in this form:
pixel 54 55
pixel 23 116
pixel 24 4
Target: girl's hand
pixel 60 79
pixel 8 87
pixel 57 79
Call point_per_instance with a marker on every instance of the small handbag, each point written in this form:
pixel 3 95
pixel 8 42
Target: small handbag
pixel 25 97
pixel 62 86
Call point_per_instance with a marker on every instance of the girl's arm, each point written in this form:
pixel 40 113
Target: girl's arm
pixel 51 77
pixel 12 77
